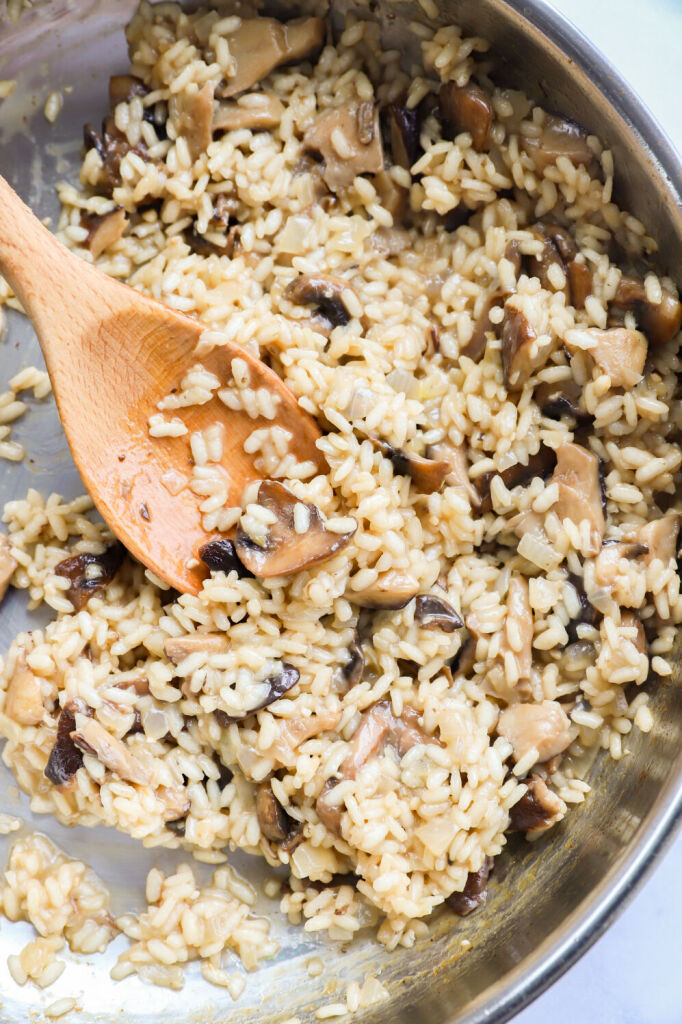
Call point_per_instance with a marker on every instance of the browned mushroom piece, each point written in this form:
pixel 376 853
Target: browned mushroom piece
pixel 275 824
pixel 549 257
pixel 458 476
pixel 433 612
pixel 538 809
pixel 219 555
pixel 586 614
pixel 540 464
pixel 259 45
pixel 324 291
pixel 521 352
pixel 379 726
pixel 122 89
pixel 659 321
pixel 403 129
pixel 632 620
pixel 65 757
pixel 427 475
pixel 580 491
pixel 329 810
pixel 607 563
pixel 226 245
pixel 263 110
pixel 24 699
pixel 475 346
pixel 355 666
pixel 295 731
pixel 474 893
pixel 466 108
pixel 7 564
pixel 192 114
pixel 542 727
pixel 558 137
pixel 90 574
pixel 177 648
pixel 618 352
pixel 103 229
pixel 517 637
pixel 579 282
pixel 561 237
pixel 391 590
pixel 278 684
pixel 92 738
pixel 348 139
pixel 560 399
pixel 111 145
pixel 285 550
pixel 660 538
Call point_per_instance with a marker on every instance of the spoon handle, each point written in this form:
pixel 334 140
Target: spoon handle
pixel 53 285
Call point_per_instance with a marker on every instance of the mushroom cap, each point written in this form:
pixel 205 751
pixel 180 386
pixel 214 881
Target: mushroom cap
pixel 286 551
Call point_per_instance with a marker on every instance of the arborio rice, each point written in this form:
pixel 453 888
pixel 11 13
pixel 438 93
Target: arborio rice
pixel 469 602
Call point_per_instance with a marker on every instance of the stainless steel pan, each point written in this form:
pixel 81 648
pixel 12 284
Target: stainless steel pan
pixel 549 901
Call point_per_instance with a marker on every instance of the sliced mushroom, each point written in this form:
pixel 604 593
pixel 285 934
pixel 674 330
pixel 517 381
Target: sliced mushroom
pixel 544 727
pixel 93 738
pixel 192 114
pixel 580 491
pixel 103 229
pixel 521 352
pixel 427 475
pixel 278 685
pixel 355 666
pixel 7 564
pixel 349 141
pixel 475 346
pixel 587 613
pixel 328 810
pixel 295 731
pixel 220 556
pixel 378 726
pixel 433 612
pixel 540 464
pixel 618 351
pixel 90 574
pixel 474 892
pixel 558 137
pixel 458 476
pixel 122 89
pixel 274 822
pixel 263 110
pixel 579 282
pixel 177 648
pixel 259 45
pixel 541 265
pixel 391 590
pixel 65 758
pixel 660 538
pixel 24 700
pixel 538 809
pixel 518 627
pixel 111 145
pixel 562 399
pixel 203 246
pixel 659 321
pixel 324 291
pixel 632 620
pixel 466 109
pixel 561 237
pixel 286 551
pixel 403 128
pixel 607 564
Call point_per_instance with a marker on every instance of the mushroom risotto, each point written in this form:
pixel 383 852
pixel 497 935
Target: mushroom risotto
pixel 395 663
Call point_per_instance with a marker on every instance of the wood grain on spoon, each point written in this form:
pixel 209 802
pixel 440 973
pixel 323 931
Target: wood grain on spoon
pixel 112 354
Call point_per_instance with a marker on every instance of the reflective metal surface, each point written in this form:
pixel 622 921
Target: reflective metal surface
pixel 549 901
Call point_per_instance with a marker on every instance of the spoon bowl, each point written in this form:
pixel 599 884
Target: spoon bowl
pixel 112 354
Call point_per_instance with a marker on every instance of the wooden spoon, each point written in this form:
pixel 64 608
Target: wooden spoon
pixel 112 353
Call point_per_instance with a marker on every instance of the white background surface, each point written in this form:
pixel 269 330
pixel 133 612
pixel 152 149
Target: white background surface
pixel 633 975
